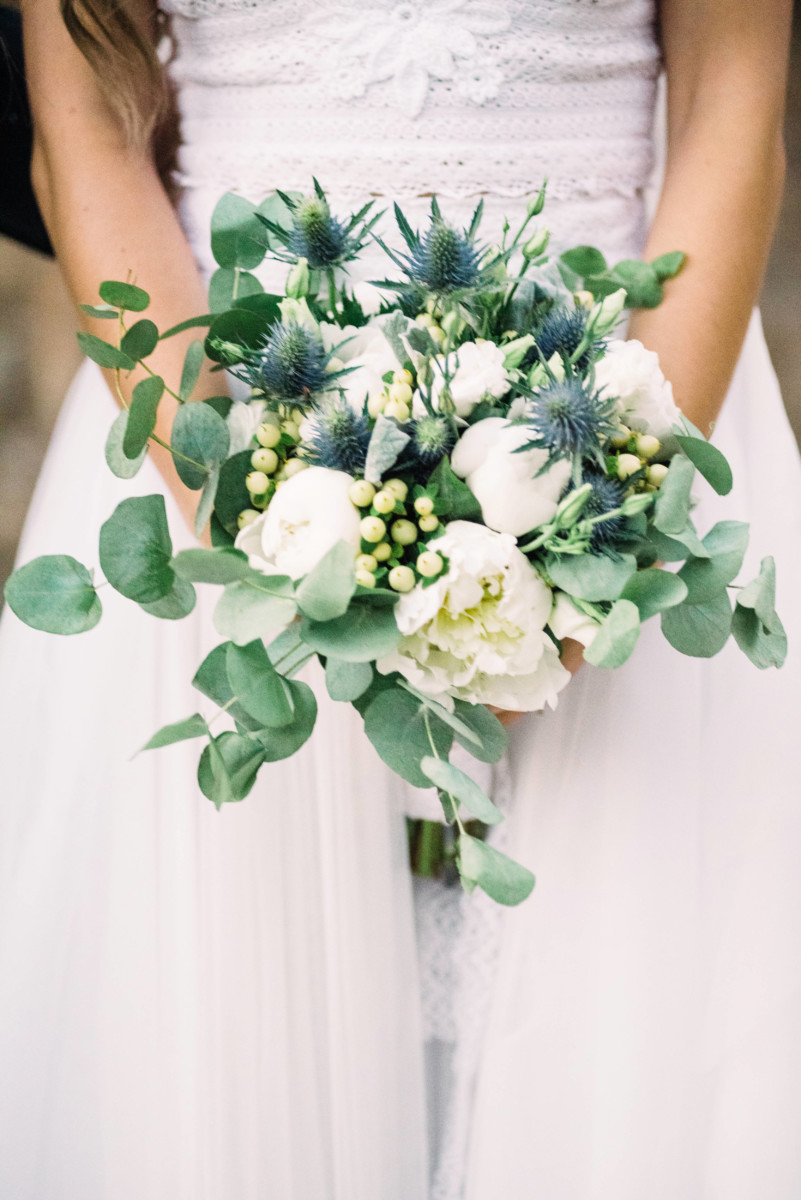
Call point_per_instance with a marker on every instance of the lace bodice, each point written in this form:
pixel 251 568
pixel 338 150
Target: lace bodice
pixel 457 97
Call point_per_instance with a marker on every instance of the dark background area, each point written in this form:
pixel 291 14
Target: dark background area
pixel 38 351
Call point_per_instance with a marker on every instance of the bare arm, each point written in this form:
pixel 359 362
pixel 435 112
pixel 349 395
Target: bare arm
pixel 726 66
pixel 103 202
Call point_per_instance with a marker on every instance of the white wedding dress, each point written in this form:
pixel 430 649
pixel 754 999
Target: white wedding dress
pixel 204 1006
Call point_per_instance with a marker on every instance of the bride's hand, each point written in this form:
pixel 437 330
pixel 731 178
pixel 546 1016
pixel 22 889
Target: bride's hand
pixel 572 658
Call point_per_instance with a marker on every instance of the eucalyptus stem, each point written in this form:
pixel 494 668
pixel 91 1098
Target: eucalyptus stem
pixel 427 723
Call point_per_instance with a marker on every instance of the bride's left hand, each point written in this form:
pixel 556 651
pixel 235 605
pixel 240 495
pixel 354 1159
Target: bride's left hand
pixel 572 658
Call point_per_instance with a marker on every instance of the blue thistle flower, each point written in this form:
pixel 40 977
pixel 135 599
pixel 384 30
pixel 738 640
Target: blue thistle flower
pixel 339 438
pixel 445 260
pixel 315 235
pixel 607 495
pixel 432 438
pixel 567 419
pixel 561 331
pixel 290 365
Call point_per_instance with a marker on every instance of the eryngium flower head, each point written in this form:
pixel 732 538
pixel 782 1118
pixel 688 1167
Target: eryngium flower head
pixel 562 331
pixel 607 495
pixel 338 438
pixel 290 366
pixel 445 260
pixel 433 438
pixel 317 236
pixel 567 419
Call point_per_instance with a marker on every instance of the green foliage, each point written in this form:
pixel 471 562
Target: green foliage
pixel 193 361
pixel 191 323
pixel 238 238
pixel 220 566
pixel 239 327
pixel 461 787
pixel 678 546
pixel 229 284
pixel 615 640
pixel 347 680
pixel 124 295
pixel 492 737
pixel 142 415
pixel 673 503
pixel 254 608
pixel 711 463
pixel 505 881
pixel 366 632
pixel 212 680
pixel 452 493
pixel 653 591
pixel 118 462
pixel 200 435
pixel 55 594
pixel 228 767
pixel 101 312
pixel 584 261
pixel 756 626
pixel 326 591
pixel 103 353
pixel 232 495
pixel 700 630
pixel 706 578
pixel 288 739
pixel 179 731
pixel 666 266
pixel 386 443
pixel 177 604
pixel 402 730
pixel 257 685
pixel 140 340
pixel 136 550
pixel 205 506
pixel 592 576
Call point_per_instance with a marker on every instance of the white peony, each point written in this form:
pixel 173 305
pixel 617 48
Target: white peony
pixel 513 497
pixel 365 349
pixel 478 633
pixel 645 398
pixel 308 514
pixel 568 621
pixel 477 371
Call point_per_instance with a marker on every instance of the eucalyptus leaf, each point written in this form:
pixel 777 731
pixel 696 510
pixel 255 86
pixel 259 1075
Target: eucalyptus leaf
pixel 54 593
pixel 454 496
pixel 700 630
pixel 643 289
pixel 238 326
pixel 706 578
pixel 398 726
pixel 135 549
pixel 448 778
pixel 366 632
pixel 142 415
pixel 201 435
pixel 615 640
pixel 326 591
pixel 191 323
pixel 232 495
pixel 212 680
pixel 288 739
pixel 668 265
pixel 257 685
pixel 584 260
pixel 504 880
pixel 101 312
pixel 103 353
pixel 206 503
pixel 229 284
pixel 238 238
pixel 228 767
pixel 140 340
pixel 466 735
pixel 756 625
pixel 179 731
pixel 674 501
pixel 654 590
pixel 193 361
pixel 492 737
pixel 387 442
pixel 124 295
pixel 592 576
pixel 246 611
pixel 347 680
pixel 118 462
pixel 710 462
pixel 177 604
pixel 678 546
pixel 221 565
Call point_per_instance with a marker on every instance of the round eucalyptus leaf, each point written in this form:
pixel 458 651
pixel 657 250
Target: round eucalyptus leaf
pixel 503 879
pixel 55 594
pixel 136 550
pixel 228 767
pixel 402 731
pixel 232 495
pixel 124 295
pixel 238 238
pixel 347 680
pixel 140 340
pixel 116 458
pixel 285 741
pixel 700 630
pixel 104 354
pixel 176 605
pixel 364 633
pixel 142 416
pixel 201 435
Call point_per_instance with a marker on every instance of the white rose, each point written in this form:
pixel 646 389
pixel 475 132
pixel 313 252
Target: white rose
pixel 568 621
pixel 645 398
pixel 477 370
pixel 478 633
pixel 365 349
pixel 308 514
pixel 513 497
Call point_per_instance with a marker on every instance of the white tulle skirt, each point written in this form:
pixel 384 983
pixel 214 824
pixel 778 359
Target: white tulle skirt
pixel 226 1006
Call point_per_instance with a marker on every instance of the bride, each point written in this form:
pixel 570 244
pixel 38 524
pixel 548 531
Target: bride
pixel 254 1004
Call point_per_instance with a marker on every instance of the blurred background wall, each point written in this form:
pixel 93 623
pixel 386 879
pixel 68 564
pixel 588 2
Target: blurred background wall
pixel 38 352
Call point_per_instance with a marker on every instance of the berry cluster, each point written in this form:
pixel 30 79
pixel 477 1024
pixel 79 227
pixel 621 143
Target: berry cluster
pixel 633 461
pixel 395 530
pixel 271 463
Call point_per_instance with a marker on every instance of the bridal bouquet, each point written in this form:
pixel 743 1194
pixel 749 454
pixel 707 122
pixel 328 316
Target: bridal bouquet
pixel 427 483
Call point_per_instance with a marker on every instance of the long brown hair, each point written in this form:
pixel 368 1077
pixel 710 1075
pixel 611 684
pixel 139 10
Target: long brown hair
pixel 124 58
